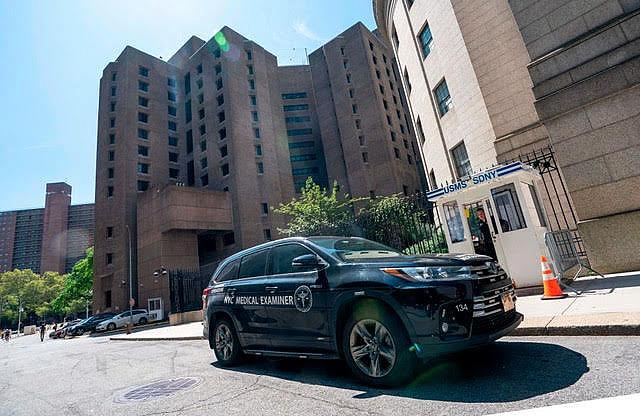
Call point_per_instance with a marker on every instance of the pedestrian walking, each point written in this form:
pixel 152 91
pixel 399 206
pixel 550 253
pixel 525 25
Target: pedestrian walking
pixel 43 329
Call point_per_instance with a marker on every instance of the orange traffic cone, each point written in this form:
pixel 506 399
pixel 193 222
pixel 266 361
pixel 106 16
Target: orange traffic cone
pixel 550 282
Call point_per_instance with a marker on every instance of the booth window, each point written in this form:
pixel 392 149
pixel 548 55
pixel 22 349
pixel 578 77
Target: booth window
pixel 533 206
pixel 461 160
pixel 508 208
pixel 454 221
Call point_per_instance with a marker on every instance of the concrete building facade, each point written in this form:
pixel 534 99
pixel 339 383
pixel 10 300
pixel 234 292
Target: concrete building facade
pixel 220 116
pixel 52 238
pixel 584 61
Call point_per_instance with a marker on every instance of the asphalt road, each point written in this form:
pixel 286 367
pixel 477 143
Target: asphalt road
pixel 92 376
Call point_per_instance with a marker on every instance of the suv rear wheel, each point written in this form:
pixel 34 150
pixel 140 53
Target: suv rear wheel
pixel 376 348
pixel 225 344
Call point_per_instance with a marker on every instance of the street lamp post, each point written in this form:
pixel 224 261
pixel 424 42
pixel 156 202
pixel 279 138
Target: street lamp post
pixel 20 309
pixel 130 285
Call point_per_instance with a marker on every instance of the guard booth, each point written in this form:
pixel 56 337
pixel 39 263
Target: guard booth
pixel 497 212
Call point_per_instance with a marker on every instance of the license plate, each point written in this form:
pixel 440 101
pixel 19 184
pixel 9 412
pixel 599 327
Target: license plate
pixel 507 302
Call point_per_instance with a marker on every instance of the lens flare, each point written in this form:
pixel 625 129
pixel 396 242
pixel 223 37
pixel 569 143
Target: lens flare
pixel 221 41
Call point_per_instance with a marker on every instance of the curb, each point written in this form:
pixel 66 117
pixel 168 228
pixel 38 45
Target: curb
pixel 597 330
pixel 187 338
pixel 135 329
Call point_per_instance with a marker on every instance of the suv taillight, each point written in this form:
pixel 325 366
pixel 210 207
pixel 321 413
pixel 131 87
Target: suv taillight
pixel 205 293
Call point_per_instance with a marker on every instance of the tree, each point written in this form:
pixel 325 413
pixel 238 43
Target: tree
pixel 77 289
pixel 318 212
pixel 33 291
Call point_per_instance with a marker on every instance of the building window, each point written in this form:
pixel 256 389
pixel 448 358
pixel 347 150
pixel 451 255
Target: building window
pixel 142 71
pixel 143 117
pixel 143 186
pixel 420 131
pixel 372 194
pixel 360 140
pixel 260 167
pixel 113 76
pixel 201 113
pixel 443 97
pixel 219 84
pixel 173 141
pixel 299 132
pixel 371 46
pixel 223 151
pixel 402 130
pixel 204 179
pixel 113 91
pixel 110 173
pixel 189 138
pixel 297 119
pixel 354 108
pixel 172 111
pixel 254 116
pixel 385 104
pixel 109 232
pixel 203 145
pixel 112 155
pixel 252 84
pixel 258 149
pixel 432 176
pixel 410 159
pixel 350 92
pixel 358 124
pixel 112 122
pixel 204 163
pixel 173 157
pixel 187 111
pixel 112 138
pixel 426 41
pixel 171 96
pixel 143 86
pixel 388 120
pixel 200 98
pixel 222 134
pixel 406 143
pixel 143 151
pixel 252 100
pixel 202 129
pixel 295 107
pixel 109 191
pixel 171 82
pixel 294 95
pixel 172 125
pixel 218 69
pixel 374 59
pixel 216 53
pixel 173 173
pixel 393 136
pixel 256 133
pixel 221 116
pixel 345 63
pixel 365 157
pixel 381 89
pixel 265 208
pixel 199 69
pixel 396 152
pixel 249 55
pixel 250 69
pixel 267 234
pixel 348 78
pixel 143 168
pixel 405 190
pixel 461 160
pixel 143 101
pixel 112 106
pixel 225 169
pixel 342 50
pixel 377 74
pixel 220 99
pixel 187 83
pixel 109 258
pixel 406 79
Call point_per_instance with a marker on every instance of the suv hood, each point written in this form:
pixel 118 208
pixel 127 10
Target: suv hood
pixel 426 260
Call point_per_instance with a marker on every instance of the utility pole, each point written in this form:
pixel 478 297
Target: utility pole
pixel 130 285
pixel 20 309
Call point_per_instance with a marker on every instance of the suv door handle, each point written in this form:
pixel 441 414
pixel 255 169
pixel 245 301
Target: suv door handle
pixel 271 288
pixel 231 290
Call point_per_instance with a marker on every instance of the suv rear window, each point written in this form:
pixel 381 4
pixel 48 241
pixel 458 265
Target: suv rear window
pixel 254 264
pixel 229 272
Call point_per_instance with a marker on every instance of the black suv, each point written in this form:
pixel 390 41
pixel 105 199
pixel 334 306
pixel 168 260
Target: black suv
pixel 89 324
pixel 351 298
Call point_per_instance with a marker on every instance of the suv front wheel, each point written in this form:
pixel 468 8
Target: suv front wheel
pixel 376 348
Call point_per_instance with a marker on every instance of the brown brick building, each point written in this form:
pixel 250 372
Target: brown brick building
pixel 193 152
pixel 52 238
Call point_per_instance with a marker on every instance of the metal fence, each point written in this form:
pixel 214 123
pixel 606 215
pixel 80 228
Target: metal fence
pixel 185 288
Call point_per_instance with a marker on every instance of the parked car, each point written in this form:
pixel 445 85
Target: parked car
pixel 343 297
pixel 140 317
pixel 89 324
pixel 62 331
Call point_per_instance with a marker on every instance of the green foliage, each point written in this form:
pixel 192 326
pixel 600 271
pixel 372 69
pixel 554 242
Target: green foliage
pixel 34 291
pixel 318 212
pixel 77 289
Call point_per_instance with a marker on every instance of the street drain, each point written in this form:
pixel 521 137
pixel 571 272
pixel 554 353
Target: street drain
pixel 157 389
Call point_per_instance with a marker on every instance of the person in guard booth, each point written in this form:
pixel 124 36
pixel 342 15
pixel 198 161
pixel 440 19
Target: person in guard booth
pixel 43 329
pixel 487 247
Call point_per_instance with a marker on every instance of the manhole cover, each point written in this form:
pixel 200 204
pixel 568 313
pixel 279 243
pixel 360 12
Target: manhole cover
pixel 157 389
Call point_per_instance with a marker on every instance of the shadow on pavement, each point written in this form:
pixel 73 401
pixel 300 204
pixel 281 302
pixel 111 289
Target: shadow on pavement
pixel 500 372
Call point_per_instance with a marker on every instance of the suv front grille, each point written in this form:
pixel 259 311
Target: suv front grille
pixel 493 322
pixel 488 288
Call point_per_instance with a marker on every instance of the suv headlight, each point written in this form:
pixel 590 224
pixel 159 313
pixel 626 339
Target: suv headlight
pixel 422 274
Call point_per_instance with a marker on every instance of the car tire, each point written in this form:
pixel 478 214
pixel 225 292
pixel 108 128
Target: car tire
pixel 226 346
pixel 375 346
pixel 142 321
pixel 79 332
pixel 111 326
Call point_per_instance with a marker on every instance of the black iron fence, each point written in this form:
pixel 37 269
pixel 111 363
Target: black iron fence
pixel 185 287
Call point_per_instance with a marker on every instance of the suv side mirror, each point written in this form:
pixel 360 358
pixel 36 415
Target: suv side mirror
pixel 307 261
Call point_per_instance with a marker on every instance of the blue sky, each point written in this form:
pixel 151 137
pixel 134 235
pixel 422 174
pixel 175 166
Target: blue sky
pixel 53 53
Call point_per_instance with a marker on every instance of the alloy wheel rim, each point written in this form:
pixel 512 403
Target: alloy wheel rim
pixel 224 341
pixel 372 348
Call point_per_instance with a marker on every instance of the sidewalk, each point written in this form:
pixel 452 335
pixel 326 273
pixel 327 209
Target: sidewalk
pixel 607 306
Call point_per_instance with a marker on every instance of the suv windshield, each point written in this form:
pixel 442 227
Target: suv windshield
pixel 353 249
